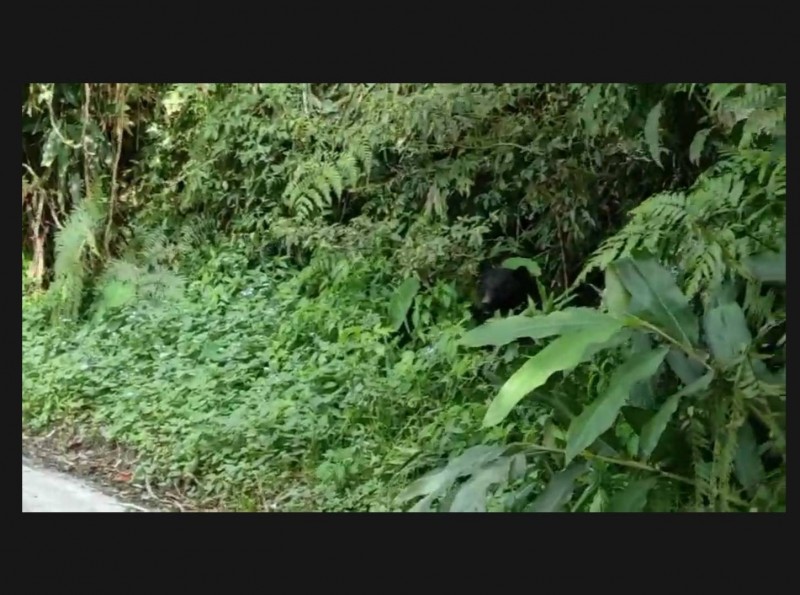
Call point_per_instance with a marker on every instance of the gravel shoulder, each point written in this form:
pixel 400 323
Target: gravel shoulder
pixel 64 471
pixel 46 490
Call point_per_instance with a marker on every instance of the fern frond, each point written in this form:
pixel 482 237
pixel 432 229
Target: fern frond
pixel 74 243
pixel 706 233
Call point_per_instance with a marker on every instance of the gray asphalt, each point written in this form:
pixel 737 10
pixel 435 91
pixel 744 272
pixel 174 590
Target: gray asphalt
pixel 45 490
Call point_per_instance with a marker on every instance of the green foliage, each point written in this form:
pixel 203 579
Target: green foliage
pixel 600 415
pixel 563 353
pixel 236 262
pixel 401 302
pixel 735 211
pixel 76 243
pixel 225 390
pixel 718 400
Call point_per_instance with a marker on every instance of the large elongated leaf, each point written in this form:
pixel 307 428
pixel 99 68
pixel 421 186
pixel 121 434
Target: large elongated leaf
pixel 768 267
pixel 653 429
pixel 726 332
pixel 642 394
pixel 599 416
pixel 401 302
pixel 651 133
pixel 505 330
pixel 634 497
pixel 515 262
pixel 563 353
pixel 436 483
pixel 621 338
pixel 685 368
pixel 615 296
pixel 471 497
pixel 656 298
pixel 559 491
pixel 747 463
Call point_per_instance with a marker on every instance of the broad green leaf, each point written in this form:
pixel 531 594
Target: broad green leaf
pixel 471 496
pixel 425 504
pixel 401 301
pixel 430 483
pixel 615 296
pixel 651 133
pixel 599 416
pixel 559 491
pixel 723 293
pixel 517 467
pixel 686 369
pixel 634 497
pixel 437 482
pixel 475 457
pixel 563 353
pixel 779 147
pixel 698 142
pixel 768 267
pixel 747 463
pixel 654 428
pixel 516 501
pixel 642 394
pixel 621 338
pixel 726 332
pixel 505 330
pixel 656 298
pixel 516 262
pixel 764 375
pixel 598 503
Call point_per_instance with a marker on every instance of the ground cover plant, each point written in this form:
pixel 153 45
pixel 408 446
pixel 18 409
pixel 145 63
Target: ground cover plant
pixel 274 296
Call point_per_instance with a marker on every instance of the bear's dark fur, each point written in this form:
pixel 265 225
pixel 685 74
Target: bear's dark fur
pixel 503 290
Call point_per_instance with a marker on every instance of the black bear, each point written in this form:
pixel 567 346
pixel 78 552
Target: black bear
pixel 501 289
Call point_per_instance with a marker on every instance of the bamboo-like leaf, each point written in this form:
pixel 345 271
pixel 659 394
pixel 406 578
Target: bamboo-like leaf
pixel 634 497
pixel 436 483
pixel 615 296
pixel 642 394
pixel 599 416
pixel 505 330
pixel 655 297
pixel 768 267
pixel 471 496
pixel 654 428
pixel 516 262
pixel 559 491
pixel 563 353
pixel 726 332
pixel 747 463
pixel 685 368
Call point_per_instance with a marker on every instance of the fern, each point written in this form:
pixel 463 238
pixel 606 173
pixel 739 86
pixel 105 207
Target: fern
pixel 74 244
pixel 706 233
pixel 144 272
pixel 735 209
pixel 318 180
pixel 762 108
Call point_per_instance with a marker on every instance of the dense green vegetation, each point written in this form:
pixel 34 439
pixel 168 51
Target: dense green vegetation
pixel 264 291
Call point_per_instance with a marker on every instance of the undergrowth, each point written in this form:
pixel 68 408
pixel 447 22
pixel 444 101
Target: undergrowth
pixel 264 291
pixel 238 384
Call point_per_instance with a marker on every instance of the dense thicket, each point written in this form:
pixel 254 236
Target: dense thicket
pixel 264 291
